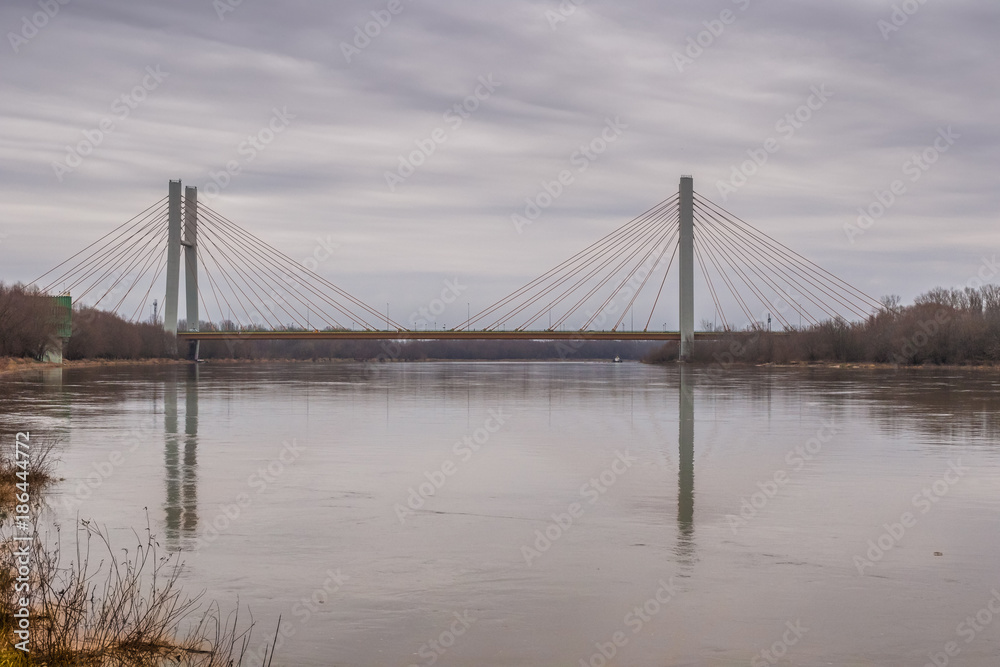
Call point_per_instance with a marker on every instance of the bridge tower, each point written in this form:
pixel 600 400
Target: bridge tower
pixel 173 257
pixel 685 258
pixel 182 209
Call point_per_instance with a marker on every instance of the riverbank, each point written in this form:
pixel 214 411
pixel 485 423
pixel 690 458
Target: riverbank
pixel 860 365
pixel 109 609
pixel 12 366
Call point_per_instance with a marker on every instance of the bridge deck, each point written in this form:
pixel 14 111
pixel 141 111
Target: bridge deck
pixel 440 335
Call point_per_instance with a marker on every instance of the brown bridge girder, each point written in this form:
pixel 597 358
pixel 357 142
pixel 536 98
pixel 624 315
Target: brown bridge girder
pixel 447 335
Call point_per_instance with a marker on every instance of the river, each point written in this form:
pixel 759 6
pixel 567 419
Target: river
pixel 498 514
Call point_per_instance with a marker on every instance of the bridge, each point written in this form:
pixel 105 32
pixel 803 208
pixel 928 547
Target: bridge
pixel 238 287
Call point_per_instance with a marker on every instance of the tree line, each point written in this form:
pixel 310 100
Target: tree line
pixel 942 326
pixel 27 327
pixel 29 324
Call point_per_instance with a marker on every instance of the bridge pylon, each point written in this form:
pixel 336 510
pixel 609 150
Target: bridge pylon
pixel 685 259
pixel 174 209
pixel 182 231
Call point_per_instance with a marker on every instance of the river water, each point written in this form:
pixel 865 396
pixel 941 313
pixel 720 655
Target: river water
pixel 552 513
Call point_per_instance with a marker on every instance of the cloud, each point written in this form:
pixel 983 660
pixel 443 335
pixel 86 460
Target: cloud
pixel 325 174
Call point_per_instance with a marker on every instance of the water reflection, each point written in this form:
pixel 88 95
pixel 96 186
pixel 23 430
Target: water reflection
pixel 685 476
pixel 370 436
pixel 181 506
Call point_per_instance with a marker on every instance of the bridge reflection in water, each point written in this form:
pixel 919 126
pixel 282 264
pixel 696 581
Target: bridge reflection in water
pixel 685 473
pixel 181 459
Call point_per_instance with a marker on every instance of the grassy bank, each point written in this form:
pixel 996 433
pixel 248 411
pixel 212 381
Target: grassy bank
pixel 88 605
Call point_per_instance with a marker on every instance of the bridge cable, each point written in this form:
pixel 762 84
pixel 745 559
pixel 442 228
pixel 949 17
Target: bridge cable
pixel 141 257
pixel 664 240
pixel 225 252
pixel 584 259
pixel 656 265
pixel 712 243
pixel 845 286
pixel 143 270
pixel 708 280
pixel 97 260
pixel 238 270
pixel 311 274
pixel 229 283
pixel 707 251
pixel 554 271
pixel 156 276
pixel 830 311
pixel 282 263
pixel 269 268
pixel 733 253
pixel 740 255
pixel 212 284
pixel 275 267
pixel 646 237
pixel 619 245
pixel 123 225
pixel 662 283
pixel 640 236
pixel 111 262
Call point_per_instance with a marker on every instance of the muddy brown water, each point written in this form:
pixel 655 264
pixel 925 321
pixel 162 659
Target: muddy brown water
pixel 552 513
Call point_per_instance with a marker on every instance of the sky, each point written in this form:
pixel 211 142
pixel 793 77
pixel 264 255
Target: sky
pixel 395 141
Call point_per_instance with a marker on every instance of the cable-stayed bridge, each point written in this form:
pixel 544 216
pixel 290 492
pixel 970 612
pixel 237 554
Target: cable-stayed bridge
pixel 237 286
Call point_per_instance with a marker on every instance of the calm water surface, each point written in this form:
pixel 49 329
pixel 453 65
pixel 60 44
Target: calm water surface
pixel 543 514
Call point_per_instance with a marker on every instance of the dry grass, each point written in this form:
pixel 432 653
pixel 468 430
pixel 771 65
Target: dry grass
pixel 40 468
pixel 102 609
pixel 99 605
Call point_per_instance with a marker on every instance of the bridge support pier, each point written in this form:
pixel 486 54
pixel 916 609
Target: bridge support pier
pixel 182 215
pixel 190 244
pixel 685 258
pixel 173 257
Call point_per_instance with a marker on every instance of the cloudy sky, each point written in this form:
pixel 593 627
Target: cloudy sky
pixel 313 105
